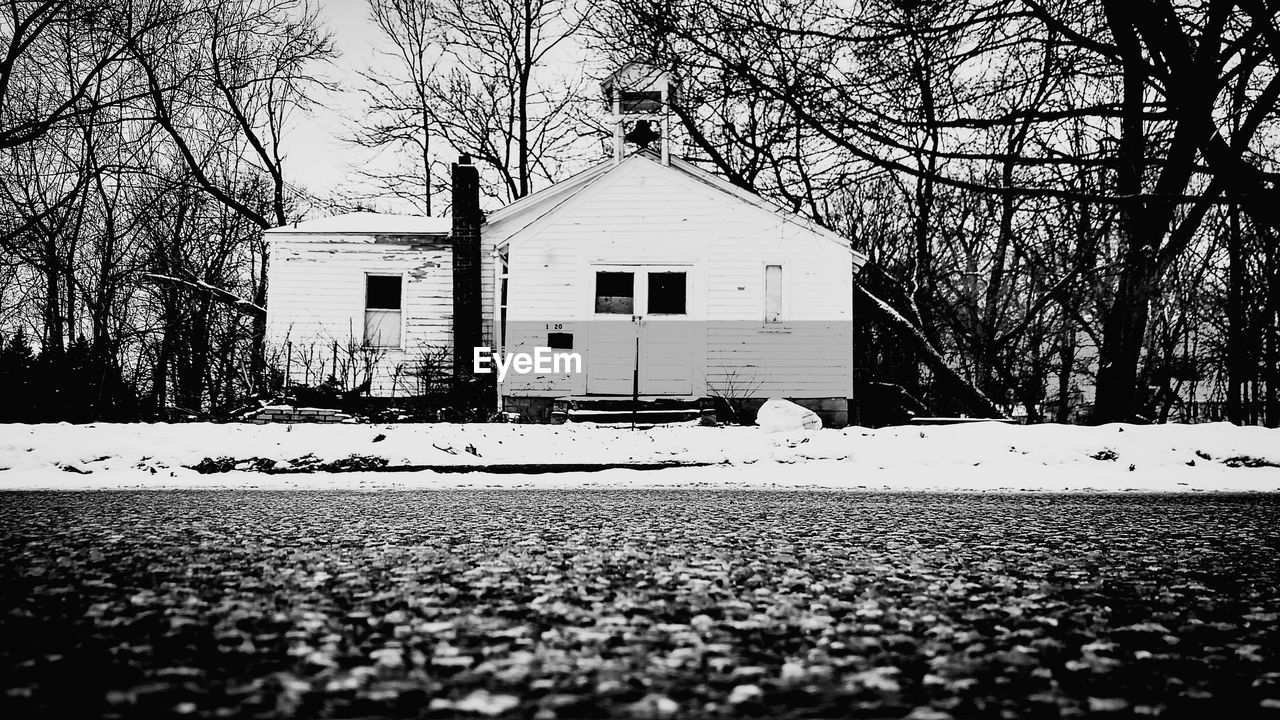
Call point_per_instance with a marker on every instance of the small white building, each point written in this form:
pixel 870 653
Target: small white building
pixel 671 282
pixel 665 280
pixel 361 296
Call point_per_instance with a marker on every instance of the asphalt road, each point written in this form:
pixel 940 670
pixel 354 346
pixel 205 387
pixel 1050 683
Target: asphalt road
pixel 646 604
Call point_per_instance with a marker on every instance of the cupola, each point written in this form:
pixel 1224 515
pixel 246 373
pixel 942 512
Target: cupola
pixel 638 98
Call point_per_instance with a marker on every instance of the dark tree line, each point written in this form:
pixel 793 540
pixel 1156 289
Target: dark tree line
pixel 140 160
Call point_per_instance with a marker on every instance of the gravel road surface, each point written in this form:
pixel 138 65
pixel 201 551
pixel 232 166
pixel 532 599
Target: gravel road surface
pixel 646 604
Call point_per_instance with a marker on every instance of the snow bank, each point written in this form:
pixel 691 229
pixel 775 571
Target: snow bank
pixel 979 456
pixel 778 415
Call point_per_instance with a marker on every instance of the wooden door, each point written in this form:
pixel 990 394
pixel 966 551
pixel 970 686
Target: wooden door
pixel 640 313
pixel 666 348
pixel 610 358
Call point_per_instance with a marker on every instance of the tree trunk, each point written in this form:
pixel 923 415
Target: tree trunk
pixel 1237 348
pixel 1125 324
pixel 987 326
pixel 426 157
pixel 526 67
pixel 53 330
pixel 922 278
pixel 1272 341
pixel 164 356
pixel 258 341
pixel 1272 411
pixel 1066 364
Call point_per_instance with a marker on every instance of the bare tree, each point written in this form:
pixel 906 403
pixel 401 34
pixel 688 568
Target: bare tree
pixel 245 67
pixel 400 105
pixel 146 142
pixel 1151 81
pixel 476 74
pixel 34 51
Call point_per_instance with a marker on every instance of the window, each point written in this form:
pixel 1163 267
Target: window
pixel 773 293
pixel 382 311
pixel 666 293
pixel 641 101
pixel 615 293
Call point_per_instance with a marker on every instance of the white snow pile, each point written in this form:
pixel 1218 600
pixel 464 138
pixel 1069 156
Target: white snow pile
pixel 778 415
pixel 972 457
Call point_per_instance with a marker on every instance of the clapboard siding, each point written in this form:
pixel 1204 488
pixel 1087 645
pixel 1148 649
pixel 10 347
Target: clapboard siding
pixel 811 359
pixel 316 298
pixel 644 213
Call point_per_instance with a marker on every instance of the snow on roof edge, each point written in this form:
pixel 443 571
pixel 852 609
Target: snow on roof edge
pixel 369 223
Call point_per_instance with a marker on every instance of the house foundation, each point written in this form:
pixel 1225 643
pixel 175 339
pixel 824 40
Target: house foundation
pixel 834 411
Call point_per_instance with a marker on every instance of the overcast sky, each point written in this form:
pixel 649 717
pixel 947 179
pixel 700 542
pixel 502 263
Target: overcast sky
pixel 317 158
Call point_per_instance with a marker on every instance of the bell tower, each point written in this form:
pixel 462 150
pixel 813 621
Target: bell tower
pixel 638 98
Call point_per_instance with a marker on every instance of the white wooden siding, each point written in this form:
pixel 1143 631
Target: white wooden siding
pixel 315 297
pixel 645 213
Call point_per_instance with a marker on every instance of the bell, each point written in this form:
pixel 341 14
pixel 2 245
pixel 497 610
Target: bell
pixel 643 134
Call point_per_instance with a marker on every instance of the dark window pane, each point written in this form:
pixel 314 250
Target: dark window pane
pixel 666 293
pixel 382 292
pixel 615 293
pixel 560 341
pixel 641 101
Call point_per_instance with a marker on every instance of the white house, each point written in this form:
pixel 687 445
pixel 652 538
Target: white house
pixel 361 295
pixel 665 280
pixel 671 282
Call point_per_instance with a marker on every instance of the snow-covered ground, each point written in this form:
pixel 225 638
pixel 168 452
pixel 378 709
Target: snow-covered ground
pixel 974 457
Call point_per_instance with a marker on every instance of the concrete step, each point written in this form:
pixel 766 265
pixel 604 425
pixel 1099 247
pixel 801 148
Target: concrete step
pixel 618 410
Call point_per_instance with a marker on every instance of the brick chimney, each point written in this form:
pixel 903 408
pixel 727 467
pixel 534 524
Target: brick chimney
pixel 466 265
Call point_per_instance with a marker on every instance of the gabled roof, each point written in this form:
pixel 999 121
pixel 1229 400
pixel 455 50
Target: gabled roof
pixel 751 198
pixel 638 75
pixel 519 214
pixel 513 218
pixel 368 223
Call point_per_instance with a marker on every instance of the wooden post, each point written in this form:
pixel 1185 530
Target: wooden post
pixel 288 363
pixel 334 374
pixel 635 381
